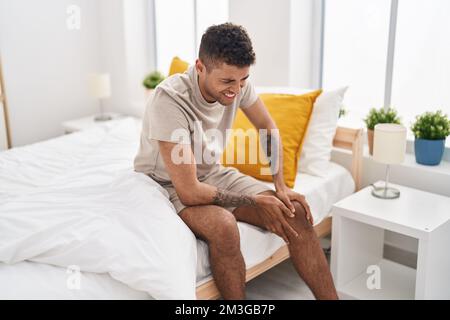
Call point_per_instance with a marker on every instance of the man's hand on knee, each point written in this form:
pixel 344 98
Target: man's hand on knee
pixel 273 214
pixel 288 196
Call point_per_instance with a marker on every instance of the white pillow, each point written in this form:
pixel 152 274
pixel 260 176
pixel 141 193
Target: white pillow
pixel 316 151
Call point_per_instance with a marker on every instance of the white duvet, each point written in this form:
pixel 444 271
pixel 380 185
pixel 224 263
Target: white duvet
pixel 76 201
pixel 88 209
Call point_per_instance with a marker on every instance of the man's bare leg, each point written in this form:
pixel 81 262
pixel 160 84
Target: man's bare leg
pixel 218 228
pixel 305 251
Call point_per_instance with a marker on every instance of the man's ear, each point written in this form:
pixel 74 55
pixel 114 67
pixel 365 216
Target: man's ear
pixel 199 66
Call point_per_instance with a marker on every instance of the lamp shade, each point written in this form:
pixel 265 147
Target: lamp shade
pixel 389 143
pixel 100 85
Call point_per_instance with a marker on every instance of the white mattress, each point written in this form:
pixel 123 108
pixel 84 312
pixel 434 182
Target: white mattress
pixel 42 164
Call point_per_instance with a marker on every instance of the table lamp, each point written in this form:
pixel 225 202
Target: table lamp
pixel 100 88
pixel 389 147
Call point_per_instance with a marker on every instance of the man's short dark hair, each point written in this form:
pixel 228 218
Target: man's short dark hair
pixel 228 43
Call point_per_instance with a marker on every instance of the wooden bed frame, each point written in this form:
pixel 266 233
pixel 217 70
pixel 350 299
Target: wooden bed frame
pixel 345 138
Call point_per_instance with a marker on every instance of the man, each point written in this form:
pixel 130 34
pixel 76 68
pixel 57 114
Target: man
pixel 208 197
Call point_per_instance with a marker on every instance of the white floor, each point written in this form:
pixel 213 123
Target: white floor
pixel 280 283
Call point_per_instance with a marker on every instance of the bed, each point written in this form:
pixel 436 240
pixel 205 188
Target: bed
pixel 82 164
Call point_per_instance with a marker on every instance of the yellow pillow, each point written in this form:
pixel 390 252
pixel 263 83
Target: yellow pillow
pixel 178 66
pixel 291 114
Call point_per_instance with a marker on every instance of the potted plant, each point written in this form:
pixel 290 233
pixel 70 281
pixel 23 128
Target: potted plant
pixel 376 116
pixel 430 130
pixel 152 80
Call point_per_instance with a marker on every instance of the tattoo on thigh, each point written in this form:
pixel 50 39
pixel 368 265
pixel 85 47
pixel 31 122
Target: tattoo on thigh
pixel 226 198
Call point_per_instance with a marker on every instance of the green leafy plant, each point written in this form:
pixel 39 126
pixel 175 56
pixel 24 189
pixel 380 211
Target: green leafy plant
pixel 431 126
pixel 153 79
pixel 381 115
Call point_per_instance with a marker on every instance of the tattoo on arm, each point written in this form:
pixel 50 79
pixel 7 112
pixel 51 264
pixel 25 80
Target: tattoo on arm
pixel 269 146
pixel 226 198
pixel 274 159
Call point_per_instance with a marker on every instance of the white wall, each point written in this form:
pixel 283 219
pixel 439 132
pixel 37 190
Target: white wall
pixel 46 65
pixel 112 49
pixel 281 32
pixel 267 23
pixel 127 52
pixel 302 49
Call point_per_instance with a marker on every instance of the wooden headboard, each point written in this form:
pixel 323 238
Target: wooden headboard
pixel 352 139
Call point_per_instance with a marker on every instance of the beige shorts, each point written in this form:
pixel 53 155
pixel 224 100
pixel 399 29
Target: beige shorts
pixel 227 178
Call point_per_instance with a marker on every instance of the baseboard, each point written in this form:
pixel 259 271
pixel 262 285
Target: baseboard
pixel 401 256
pixel 391 252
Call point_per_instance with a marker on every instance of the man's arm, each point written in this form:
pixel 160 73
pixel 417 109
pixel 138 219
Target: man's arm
pixel 261 119
pixel 191 191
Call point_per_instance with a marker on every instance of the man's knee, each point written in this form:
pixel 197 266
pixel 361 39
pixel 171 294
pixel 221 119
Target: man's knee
pixel 225 236
pixel 215 225
pixel 300 218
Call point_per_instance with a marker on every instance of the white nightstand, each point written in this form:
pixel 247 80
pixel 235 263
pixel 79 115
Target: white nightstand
pixel 359 222
pixel 86 123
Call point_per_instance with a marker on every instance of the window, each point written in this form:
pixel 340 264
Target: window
pixel 421 78
pixel 174 32
pixel 180 25
pixel 355 52
pixel 209 13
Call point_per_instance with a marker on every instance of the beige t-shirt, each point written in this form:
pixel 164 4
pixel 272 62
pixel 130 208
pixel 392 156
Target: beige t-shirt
pixel 179 113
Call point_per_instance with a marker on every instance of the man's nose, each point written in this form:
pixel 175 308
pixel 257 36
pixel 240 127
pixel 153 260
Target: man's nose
pixel 236 89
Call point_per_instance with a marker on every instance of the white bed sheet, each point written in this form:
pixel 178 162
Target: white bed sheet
pixel 42 164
